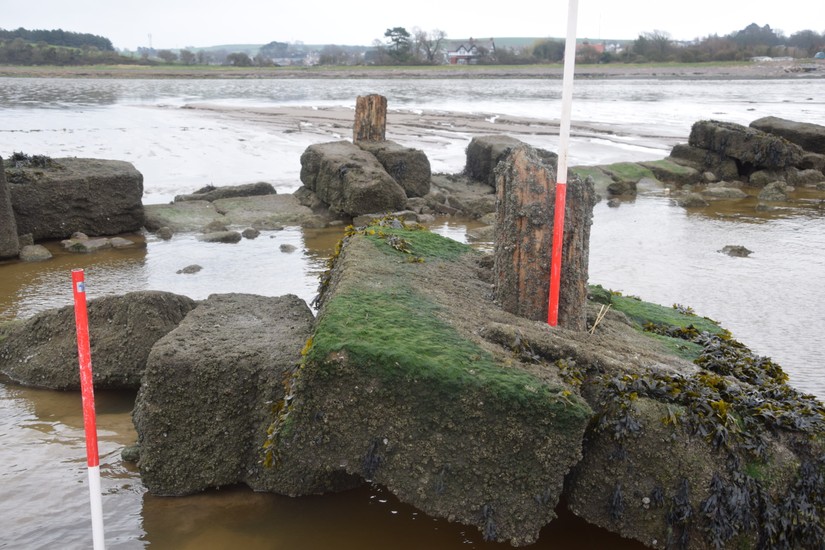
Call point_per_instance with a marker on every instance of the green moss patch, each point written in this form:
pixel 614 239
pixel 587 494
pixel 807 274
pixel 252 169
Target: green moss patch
pixel 599 176
pixel 647 315
pixel 670 172
pixel 396 335
pixel 628 171
pixel 417 241
pixel 679 347
pixel 642 312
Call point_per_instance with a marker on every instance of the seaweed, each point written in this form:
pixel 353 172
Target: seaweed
pixel 797 522
pixel 441 480
pixel 616 503
pixel 372 460
pixel 716 511
pixel 22 160
pixel 657 496
pixel 21 168
pixel 489 531
pixel 679 516
pixel 738 402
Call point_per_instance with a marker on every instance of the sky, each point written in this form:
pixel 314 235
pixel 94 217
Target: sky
pixel 176 24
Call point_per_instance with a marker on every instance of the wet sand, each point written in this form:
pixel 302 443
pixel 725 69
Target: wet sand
pixel 419 128
pixel 809 68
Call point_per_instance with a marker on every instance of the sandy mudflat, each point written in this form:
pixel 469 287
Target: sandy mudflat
pixel 401 123
pixel 809 68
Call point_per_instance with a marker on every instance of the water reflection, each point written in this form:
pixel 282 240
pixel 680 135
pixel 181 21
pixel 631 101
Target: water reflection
pixel 45 500
pixel 47 465
pixel 28 288
pixel 273 264
pixel 802 202
pixel 368 517
pixel 769 300
pixel 54 93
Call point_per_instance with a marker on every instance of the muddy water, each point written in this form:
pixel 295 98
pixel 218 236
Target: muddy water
pixel 44 500
pixel 255 266
pixel 647 247
pixel 772 300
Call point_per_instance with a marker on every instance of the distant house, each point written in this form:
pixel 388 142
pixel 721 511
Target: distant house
pixel 468 54
pixel 590 47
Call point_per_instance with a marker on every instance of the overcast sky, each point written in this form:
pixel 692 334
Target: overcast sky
pixel 183 23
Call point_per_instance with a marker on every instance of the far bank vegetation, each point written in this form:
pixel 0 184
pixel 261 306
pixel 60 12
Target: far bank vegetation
pixel 413 48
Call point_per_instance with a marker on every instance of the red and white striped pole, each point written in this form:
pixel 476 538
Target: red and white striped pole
pixel 561 175
pixel 87 391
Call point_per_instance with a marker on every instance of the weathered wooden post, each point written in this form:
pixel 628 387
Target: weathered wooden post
pixel 524 234
pixel 9 244
pixel 370 118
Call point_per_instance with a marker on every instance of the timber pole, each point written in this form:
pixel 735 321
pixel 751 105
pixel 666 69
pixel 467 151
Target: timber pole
pixel 370 118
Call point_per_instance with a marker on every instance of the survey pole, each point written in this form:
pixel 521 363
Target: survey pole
pixel 87 392
pixel 561 172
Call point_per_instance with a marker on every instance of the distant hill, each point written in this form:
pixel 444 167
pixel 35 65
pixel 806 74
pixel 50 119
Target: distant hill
pixel 252 49
pixel 59 37
pixel 514 42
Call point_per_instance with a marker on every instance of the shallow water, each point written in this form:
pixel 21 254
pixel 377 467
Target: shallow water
pixel 180 150
pixel 771 300
pixel 646 247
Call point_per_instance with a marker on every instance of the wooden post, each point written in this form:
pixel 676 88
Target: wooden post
pixel 370 118
pixel 9 243
pixel 524 235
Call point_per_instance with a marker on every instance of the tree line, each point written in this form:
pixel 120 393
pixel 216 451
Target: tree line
pixel 416 47
pixel 59 37
pixel 55 47
pixel 658 46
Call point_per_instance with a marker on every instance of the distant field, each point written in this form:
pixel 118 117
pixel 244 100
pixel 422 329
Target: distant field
pixel 734 70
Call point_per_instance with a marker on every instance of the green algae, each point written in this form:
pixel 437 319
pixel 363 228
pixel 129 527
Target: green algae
pixel 416 241
pixel 678 347
pixel 646 312
pixel 673 327
pixel 397 336
pixel 628 172
pixel 597 175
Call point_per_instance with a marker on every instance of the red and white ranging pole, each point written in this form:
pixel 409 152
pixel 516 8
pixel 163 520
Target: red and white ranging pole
pixel 87 391
pixel 561 174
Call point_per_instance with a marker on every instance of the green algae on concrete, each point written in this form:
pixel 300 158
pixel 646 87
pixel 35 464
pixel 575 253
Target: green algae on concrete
pixel 642 312
pixel 669 171
pixel 415 240
pixel 628 172
pixel 647 315
pixel 599 177
pixel 397 387
pixel 396 334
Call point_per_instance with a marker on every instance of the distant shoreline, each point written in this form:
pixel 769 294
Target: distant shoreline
pixel 774 69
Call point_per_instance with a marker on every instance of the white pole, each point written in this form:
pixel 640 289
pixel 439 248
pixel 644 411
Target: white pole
pixel 98 540
pixel 561 172
pixel 567 89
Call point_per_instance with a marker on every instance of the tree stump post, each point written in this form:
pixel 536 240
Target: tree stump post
pixel 524 235
pixel 370 118
pixel 9 243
